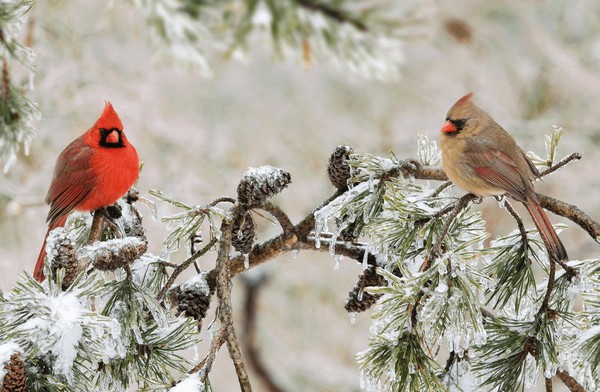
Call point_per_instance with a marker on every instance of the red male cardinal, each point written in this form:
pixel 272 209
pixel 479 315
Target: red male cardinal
pixel 482 158
pixel 94 171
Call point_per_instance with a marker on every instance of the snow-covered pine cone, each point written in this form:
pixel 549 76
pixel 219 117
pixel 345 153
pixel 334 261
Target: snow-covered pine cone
pixel 369 278
pixel 260 184
pixel 192 297
pixel 243 232
pixel 338 169
pixel 62 255
pixel 14 379
pixel 112 254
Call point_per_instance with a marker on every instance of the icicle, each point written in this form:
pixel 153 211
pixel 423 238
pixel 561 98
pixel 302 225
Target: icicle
pixel 319 225
pixel 295 253
pixel 247 260
pixel 365 261
pixel 352 317
pixel 336 263
pixel 360 294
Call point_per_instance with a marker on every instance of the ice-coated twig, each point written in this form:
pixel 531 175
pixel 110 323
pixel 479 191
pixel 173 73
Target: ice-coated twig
pixel 437 248
pixel 441 188
pixel 520 224
pixel 183 266
pixel 205 366
pixel 563 162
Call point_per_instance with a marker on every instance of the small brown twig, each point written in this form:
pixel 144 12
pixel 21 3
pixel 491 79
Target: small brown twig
pixel 441 188
pixel 569 381
pixel 563 162
pixel 222 199
pixel 286 224
pixel 520 224
pixel 183 266
pixel 550 287
pixel 205 366
pixel 225 310
pixel 548 383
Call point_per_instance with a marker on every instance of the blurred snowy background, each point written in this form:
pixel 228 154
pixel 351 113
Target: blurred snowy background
pixel 530 64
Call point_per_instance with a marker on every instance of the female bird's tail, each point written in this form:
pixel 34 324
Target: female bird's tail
pixel 546 230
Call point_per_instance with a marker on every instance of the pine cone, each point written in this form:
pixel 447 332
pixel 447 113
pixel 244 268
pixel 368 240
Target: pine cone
pixel 260 184
pixel 193 297
pixel 62 255
pixel 14 379
pixel 113 254
pixel 244 230
pixel 369 278
pixel 338 169
pixel 348 233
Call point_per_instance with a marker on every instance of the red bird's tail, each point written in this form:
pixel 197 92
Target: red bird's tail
pixel 38 271
pixel 546 230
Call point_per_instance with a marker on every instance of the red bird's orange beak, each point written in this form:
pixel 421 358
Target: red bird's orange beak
pixel 112 137
pixel 448 127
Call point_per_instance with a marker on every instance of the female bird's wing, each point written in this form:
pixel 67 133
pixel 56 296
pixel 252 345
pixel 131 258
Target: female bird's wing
pixel 72 182
pixel 497 168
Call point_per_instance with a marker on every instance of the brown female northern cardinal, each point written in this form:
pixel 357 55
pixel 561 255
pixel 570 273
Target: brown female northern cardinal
pixel 92 172
pixel 482 158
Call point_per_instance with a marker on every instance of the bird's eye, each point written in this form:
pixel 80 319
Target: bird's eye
pixel 458 123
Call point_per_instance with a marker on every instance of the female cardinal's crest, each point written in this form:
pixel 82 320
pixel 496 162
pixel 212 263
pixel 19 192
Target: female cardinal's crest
pixel 109 118
pixel 463 99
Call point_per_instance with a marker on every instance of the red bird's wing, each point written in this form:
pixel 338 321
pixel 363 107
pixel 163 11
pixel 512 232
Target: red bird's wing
pixel 499 170
pixel 72 182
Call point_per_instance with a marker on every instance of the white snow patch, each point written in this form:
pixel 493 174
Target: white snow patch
pixel 61 333
pixel 197 283
pixel 189 384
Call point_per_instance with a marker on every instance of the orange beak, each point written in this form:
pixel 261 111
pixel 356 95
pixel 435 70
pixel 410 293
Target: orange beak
pixel 112 137
pixel 448 127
